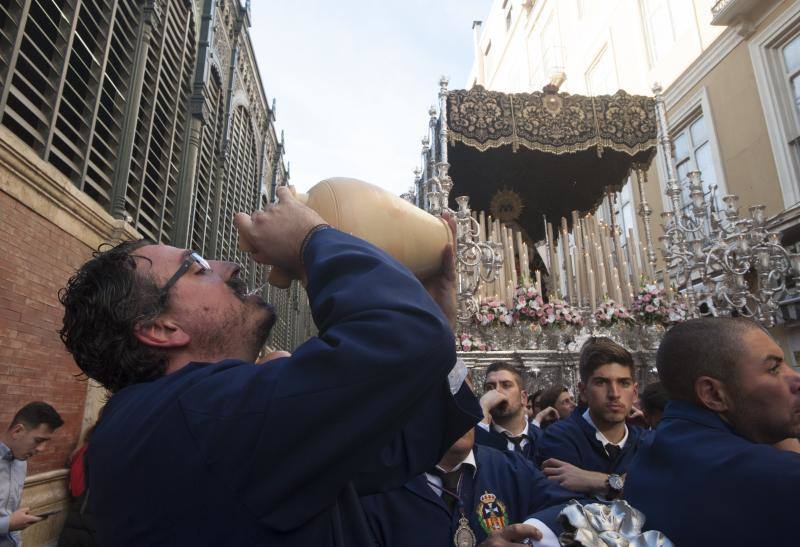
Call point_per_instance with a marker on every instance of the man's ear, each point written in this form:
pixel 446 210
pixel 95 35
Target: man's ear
pixel 712 394
pixel 16 430
pixel 582 392
pixel 524 396
pixel 161 333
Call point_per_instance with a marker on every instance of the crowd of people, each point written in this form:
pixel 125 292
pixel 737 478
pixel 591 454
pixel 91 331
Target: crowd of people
pixel 370 433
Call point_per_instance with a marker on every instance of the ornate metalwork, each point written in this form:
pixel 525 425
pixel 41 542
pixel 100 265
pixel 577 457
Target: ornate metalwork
pixel 732 264
pixel 478 259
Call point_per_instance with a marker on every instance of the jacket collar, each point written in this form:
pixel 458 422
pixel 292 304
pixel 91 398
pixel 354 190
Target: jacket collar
pixel 684 410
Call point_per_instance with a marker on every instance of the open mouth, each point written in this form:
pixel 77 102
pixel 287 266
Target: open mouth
pixel 239 288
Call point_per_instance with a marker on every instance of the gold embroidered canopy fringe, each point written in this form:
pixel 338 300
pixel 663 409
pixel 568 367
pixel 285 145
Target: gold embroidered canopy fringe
pixel 552 152
pixel 556 123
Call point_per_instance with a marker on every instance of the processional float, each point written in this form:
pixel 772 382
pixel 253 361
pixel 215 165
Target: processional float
pixel 542 262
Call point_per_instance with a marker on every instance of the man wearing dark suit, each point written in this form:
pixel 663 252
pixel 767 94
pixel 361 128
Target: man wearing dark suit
pixel 505 425
pixel 473 490
pixel 710 476
pixel 590 451
pixel 199 446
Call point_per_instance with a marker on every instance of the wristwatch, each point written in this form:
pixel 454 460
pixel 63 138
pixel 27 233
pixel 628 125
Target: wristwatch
pixel 615 485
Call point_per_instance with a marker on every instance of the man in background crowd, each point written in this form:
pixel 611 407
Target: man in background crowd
pixel 475 489
pixel 30 430
pixel 590 452
pixel 559 398
pixel 654 400
pixel 533 405
pixel 710 475
pixel 505 424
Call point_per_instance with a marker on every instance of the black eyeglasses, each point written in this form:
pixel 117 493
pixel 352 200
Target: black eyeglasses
pixel 191 258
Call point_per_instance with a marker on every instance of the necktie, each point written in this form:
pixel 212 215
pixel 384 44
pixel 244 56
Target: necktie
pixel 613 451
pixel 517 442
pixel 450 482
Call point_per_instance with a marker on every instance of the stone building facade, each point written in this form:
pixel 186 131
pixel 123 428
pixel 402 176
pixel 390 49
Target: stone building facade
pixel 730 74
pixel 119 119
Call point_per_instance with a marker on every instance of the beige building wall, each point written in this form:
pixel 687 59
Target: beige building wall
pixel 706 69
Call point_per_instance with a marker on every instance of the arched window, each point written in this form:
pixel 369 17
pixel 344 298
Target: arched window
pixel 240 190
pixel 210 144
pixel 161 125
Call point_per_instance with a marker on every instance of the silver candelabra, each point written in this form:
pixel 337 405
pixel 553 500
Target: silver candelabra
pixel 733 264
pixel 477 259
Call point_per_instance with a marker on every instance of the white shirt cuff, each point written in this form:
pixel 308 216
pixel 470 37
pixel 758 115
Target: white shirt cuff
pixel 484 426
pixel 536 423
pixel 457 376
pixel 549 539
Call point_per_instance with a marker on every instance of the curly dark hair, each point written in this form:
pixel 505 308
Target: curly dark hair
pixel 103 302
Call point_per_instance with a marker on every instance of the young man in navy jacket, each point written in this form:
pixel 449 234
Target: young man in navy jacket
pixel 710 476
pixel 505 424
pixel 474 487
pixel 200 446
pixel 590 451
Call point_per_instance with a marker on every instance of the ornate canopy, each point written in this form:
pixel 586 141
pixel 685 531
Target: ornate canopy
pixel 523 155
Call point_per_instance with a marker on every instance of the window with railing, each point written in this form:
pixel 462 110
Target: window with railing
pixel 693 152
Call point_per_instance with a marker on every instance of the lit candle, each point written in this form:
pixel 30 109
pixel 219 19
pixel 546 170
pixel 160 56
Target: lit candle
pixel 523 280
pixel 592 293
pixel 667 284
pixel 602 269
pixel 570 280
pixel 634 260
pixel 554 266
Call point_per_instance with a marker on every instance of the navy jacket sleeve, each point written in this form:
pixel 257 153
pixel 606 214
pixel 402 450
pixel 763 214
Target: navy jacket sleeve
pixel 560 441
pixel 435 425
pixel 287 437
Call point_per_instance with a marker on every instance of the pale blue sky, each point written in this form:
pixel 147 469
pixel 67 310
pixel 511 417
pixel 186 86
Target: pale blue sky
pixel 354 80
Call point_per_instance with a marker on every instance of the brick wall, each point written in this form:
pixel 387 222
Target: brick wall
pixel 36 259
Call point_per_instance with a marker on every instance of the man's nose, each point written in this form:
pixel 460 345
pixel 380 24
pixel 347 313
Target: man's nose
pixel 613 390
pixel 40 447
pixel 793 377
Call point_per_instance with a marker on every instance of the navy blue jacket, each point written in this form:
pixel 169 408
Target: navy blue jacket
pixel 499 441
pixel 415 515
pixel 573 440
pixel 701 483
pixel 233 453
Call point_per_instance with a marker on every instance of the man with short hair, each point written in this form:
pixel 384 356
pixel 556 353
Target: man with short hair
pixel 200 446
pixel 473 490
pixel 28 434
pixel 710 476
pixel 654 400
pixel 505 424
pixel 589 452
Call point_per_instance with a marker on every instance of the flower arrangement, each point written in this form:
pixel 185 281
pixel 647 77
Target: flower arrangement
pixel 493 311
pixel 677 312
pixel 528 304
pixel 468 342
pixel 560 314
pixel 650 306
pixel 610 313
